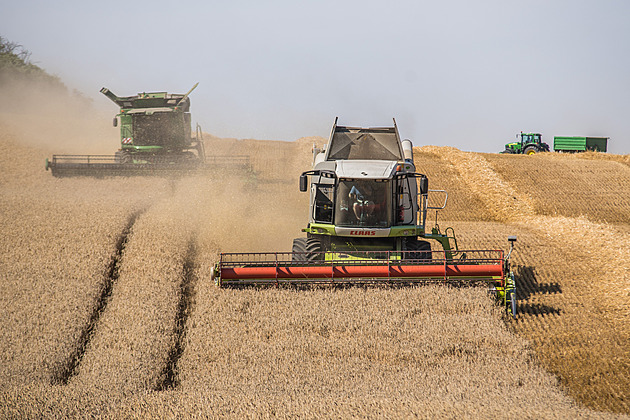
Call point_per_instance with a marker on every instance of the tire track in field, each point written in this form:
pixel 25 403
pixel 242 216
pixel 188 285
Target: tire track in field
pixel 140 336
pixel 68 368
pixel 184 310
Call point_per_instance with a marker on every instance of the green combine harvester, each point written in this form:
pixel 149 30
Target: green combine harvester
pixel 155 139
pixel 367 224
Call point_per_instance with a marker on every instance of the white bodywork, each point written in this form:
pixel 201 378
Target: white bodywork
pixel 356 155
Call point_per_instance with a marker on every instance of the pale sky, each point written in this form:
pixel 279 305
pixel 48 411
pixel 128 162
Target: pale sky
pixel 468 74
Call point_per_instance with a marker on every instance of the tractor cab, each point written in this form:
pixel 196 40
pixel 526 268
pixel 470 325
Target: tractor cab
pixel 527 138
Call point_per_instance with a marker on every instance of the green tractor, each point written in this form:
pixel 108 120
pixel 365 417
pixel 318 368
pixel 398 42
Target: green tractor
pixel 529 144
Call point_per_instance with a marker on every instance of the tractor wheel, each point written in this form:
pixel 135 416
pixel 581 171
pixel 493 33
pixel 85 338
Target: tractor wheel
pixel 419 250
pixel 530 150
pixel 508 151
pixel 307 250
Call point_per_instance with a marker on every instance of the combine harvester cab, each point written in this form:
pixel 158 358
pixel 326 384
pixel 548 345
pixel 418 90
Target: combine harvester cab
pixel 155 139
pixel 368 211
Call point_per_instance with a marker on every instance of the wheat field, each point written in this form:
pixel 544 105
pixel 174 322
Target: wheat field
pixel 109 311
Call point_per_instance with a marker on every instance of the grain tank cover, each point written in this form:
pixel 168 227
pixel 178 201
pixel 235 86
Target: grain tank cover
pixel 151 100
pixel 378 169
pixel 355 143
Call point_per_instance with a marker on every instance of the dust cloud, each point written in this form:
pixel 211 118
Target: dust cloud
pixel 48 116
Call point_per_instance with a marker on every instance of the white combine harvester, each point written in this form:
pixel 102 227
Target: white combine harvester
pixel 367 224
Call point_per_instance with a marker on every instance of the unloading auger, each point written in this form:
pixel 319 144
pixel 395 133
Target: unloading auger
pixel 368 211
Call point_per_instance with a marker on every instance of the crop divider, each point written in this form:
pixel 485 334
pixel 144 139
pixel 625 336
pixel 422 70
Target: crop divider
pixel 445 267
pixel 332 271
pixel 277 283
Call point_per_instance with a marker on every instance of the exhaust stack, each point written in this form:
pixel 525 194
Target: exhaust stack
pixel 408 150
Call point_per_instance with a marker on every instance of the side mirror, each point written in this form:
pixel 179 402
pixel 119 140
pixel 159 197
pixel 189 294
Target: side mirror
pixel 303 183
pixel 424 185
pixel 115 122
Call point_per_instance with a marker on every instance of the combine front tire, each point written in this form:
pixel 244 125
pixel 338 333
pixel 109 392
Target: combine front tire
pixel 307 250
pixel 418 250
pixel 121 157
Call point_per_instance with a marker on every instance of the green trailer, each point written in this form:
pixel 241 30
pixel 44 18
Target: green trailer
pixel 579 144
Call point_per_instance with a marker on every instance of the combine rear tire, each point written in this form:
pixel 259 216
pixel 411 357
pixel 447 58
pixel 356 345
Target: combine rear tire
pixel 307 250
pixel 420 250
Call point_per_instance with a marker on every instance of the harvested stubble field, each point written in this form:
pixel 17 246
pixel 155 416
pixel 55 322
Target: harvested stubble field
pixel 108 308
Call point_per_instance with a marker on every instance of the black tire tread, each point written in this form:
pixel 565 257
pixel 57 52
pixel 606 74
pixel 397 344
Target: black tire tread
pixel 306 250
pixel 421 250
